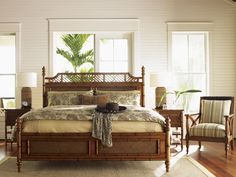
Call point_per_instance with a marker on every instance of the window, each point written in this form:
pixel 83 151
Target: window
pixel 7 103
pixel 8 65
pixel 113 41
pixel 189 57
pixel 114 53
pixel 73 52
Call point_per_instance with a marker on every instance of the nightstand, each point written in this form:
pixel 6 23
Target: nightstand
pixel 10 119
pixel 176 117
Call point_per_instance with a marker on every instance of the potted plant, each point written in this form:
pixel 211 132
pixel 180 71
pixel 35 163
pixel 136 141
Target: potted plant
pixel 182 98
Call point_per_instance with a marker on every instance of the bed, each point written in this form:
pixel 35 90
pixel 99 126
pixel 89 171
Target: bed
pixel 73 145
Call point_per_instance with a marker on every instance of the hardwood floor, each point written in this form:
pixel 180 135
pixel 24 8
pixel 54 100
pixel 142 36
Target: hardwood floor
pixel 210 156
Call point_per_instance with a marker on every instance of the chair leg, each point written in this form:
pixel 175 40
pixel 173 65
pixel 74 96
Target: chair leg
pixel 11 146
pixel 226 148
pixel 5 146
pixel 199 144
pixel 232 144
pixel 187 144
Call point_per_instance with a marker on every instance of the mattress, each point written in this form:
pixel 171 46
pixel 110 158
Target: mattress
pixel 74 126
pixel 78 118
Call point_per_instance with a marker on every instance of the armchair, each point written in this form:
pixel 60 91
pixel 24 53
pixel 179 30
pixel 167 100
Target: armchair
pixel 213 123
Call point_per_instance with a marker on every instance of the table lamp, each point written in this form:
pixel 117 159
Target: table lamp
pixel 158 80
pixel 26 81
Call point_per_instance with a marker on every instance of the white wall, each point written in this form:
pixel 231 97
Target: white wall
pixel 153 15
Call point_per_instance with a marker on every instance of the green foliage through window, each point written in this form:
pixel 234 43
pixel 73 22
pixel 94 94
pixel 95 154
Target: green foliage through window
pixel 80 59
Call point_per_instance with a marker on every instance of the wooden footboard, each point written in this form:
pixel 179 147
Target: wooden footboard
pixel 69 146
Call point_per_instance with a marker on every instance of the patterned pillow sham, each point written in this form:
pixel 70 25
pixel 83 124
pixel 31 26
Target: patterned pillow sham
pixel 131 97
pixel 66 97
pixel 100 100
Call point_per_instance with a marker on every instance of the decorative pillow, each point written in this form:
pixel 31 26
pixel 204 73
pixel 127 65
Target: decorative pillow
pixel 131 97
pixel 66 97
pixel 100 100
pixel 213 111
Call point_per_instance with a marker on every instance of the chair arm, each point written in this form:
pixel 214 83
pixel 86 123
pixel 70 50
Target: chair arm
pixel 229 117
pixel 193 120
pixel 191 114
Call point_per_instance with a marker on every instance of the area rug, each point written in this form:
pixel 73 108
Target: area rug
pixel 183 167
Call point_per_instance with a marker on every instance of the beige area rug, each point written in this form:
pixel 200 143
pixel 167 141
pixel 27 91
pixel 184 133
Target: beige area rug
pixel 183 167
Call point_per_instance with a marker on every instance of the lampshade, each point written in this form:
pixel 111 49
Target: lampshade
pixel 28 79
pixel 153 80
pixel 159 79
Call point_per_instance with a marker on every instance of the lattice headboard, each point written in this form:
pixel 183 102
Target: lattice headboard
pixel 88 81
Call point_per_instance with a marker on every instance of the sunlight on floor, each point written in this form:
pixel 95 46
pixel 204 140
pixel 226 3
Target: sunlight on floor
pixel 176 154
pixel 2 156
pixel 2 153
pixel 194 148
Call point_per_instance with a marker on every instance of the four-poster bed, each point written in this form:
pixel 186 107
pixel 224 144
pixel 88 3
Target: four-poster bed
pixel 82 146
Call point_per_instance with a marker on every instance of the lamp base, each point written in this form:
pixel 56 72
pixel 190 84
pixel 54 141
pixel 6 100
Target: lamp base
pixel 160 100
pixel 26 97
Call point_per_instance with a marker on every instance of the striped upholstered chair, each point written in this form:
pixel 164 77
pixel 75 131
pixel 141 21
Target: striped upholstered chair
pixel 213 123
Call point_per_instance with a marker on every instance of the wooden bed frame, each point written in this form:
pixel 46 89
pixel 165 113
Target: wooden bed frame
pixel 81 146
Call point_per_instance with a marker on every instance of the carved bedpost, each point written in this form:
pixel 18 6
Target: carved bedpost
pixel 167 162
pixel 18 137
pixel 43 77
pixel 143 85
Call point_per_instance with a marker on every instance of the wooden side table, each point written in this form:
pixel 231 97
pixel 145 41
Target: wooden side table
pixel 176 117
pixel 10 119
